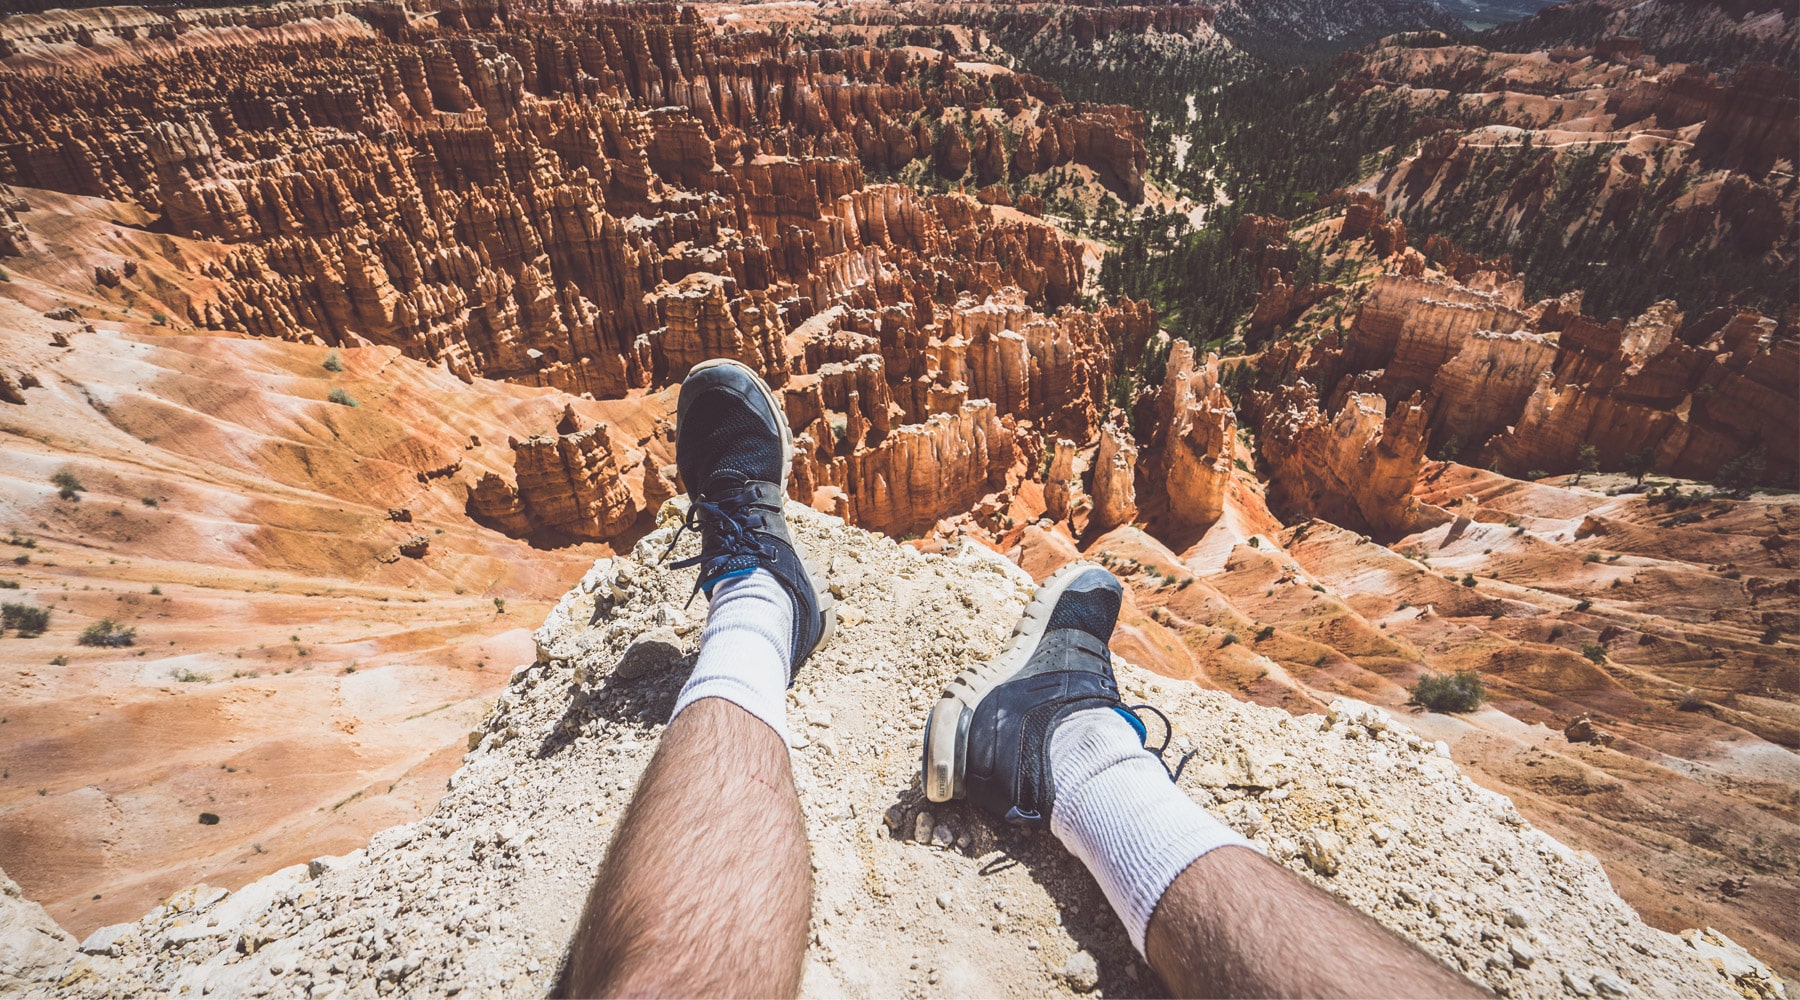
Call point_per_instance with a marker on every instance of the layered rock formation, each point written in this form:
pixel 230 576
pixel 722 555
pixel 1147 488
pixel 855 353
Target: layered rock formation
pixel 567 486
pixel 1355 467
pixel 1193 431
pixel 1115 480
pixel 595 203
pixel 1527 385
pixel 1667 170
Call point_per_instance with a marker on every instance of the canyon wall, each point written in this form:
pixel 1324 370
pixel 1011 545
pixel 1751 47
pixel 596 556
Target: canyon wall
pixel 596 202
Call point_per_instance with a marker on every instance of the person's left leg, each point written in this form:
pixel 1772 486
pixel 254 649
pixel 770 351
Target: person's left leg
pixel 707 889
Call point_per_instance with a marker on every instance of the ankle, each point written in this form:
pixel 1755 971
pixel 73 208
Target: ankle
pixel 1117 811
pixel 744 651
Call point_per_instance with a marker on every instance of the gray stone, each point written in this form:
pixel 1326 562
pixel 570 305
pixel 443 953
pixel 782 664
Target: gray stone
pixel 1081 972
pixel 105 941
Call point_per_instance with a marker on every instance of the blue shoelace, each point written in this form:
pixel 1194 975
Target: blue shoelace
pixel 732 529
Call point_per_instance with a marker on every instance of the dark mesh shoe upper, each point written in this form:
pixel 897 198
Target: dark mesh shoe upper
pixel 1007 771
pixel 730 452
pixel 1094 611
pixel 723 428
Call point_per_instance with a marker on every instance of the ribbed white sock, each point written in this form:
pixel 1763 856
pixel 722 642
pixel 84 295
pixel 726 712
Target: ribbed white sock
pixel 744 650
pixel 1118 812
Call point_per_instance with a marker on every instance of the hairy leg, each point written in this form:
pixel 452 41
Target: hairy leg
pixel 707 888
pixel 1236 924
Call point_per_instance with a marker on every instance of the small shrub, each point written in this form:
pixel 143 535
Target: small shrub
pixel 1468 579
pixel 1537 474
pixel 1458 692
pixel 1732 574
pixel 1770 636
pixel 30 622
pixel 1594 652
pixel 1690 702
pixel 149 501
pixel 1264 632
pixel 1255 542
pixel 333 363
pixel 499 605
pixel 108 633
pixel 1318 588
pixel 9 585
pixel 155 590
pixel 187 676
pixel 342 398
pixel 21 560
pixel 59 661
pixel 1591 557
pixel 209 819
pixel 67 485
pixel 1584 605
pixel 1556 632
pixel 1230 639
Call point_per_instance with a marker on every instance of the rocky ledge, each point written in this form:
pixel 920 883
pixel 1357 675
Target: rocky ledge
pixel 481 897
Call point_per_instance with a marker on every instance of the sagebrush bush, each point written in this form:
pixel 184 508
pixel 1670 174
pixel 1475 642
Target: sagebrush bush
pixel 342 398
pixel 333 363
pixel 67 485
pixel 107 632
pixel 30 622
pixel 1458 692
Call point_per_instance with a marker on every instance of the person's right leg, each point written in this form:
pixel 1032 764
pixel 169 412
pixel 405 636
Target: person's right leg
pixel 1211 914
pixel 1039 737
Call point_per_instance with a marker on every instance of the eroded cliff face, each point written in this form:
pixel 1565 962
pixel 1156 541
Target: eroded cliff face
pixel 596 203
pixel 568 487
pixel 1595 139
pixel 1526 386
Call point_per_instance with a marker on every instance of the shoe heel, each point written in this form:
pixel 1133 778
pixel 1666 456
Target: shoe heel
pixel 942 767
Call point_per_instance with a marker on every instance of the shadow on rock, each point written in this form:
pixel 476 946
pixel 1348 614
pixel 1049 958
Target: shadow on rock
pixel 1115 970
pixel 639 689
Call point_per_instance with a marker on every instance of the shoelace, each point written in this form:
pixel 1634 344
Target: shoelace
pixel 732 530
pixel 1168 736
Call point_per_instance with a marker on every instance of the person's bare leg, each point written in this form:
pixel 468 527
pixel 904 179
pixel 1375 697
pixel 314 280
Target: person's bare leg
pixel 1236 924
pixel 707 888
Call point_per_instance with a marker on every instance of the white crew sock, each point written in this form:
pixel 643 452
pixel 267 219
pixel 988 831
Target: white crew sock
pixel 744 650
pixel 1118 812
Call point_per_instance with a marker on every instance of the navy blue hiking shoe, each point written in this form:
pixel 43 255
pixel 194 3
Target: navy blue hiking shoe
pixel 732 447
pixel 988 738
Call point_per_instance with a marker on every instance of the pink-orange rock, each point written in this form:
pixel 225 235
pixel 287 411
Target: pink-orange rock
pixel 1356 468
pixel 568 486
pixel 1114 480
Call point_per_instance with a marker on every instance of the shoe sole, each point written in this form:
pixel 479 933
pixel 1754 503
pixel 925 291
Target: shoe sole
pixel 947 727
pixel 827 604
